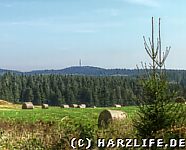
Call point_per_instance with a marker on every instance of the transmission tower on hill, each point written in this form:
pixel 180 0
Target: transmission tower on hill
pixel 80 62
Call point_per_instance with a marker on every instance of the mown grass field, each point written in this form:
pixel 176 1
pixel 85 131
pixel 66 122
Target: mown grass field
pixel 54 127
pixel 57 114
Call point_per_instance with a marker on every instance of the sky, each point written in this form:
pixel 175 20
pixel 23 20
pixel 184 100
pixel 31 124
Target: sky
pixel 55 34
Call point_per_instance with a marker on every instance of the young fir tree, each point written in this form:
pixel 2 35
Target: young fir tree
pixel 157 111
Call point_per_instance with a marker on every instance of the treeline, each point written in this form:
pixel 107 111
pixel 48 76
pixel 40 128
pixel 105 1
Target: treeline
pixel 60 89
pixel 69 89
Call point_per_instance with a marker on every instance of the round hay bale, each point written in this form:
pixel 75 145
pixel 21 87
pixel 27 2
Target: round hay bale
pixel 65 106
pixel 82 106
pixel 27 105
pixel 3 102
pixel 74 105
pixel 180 100
pixel 117 105
pixel 44 106
pixel 107 116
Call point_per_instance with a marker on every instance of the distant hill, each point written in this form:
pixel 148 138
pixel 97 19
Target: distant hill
pixel 87 70
pixel 173 75
pixel 3 71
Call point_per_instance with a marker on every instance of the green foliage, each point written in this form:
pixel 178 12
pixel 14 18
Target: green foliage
pixel 157 111
pixel 60 89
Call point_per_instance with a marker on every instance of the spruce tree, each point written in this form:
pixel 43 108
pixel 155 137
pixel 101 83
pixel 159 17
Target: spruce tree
pixel 157 111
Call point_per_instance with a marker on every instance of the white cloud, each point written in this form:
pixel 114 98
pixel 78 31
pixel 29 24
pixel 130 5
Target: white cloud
pixel 148 3
pixel 111 12
pixel 76 27
pixel 85 31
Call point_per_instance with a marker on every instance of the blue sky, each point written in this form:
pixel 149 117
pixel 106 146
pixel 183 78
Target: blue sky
pixel 54 34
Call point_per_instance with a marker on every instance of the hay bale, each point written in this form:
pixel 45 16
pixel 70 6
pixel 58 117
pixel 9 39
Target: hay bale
pixel 74 105
pixel 82 106
pixel 93 107
pixel 65 106
pixel 108 116
pixel 180 100
pixel 27 105
pixel 117 105
pixel 3 102
pixel 44 106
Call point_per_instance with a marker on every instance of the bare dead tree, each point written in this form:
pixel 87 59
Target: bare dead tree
pixel 157 56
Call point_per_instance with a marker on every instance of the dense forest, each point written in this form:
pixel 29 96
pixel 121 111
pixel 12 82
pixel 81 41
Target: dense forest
pixel 67 89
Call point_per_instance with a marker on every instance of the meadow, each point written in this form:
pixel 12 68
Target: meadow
pixel 54 127
pixel 57 114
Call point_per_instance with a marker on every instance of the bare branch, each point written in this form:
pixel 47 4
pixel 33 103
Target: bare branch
pixel 159 42
pixel 157 47
pixel 146 46
pixel 152 33
pixel 155 53
pixel 150 43
pixel 166 54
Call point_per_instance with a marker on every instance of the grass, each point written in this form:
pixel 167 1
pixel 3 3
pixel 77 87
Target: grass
pixel 54 127
pixel 56 114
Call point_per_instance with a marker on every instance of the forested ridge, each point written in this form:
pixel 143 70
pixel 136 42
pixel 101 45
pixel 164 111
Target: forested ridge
pixel 68 89
pixel 95 71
